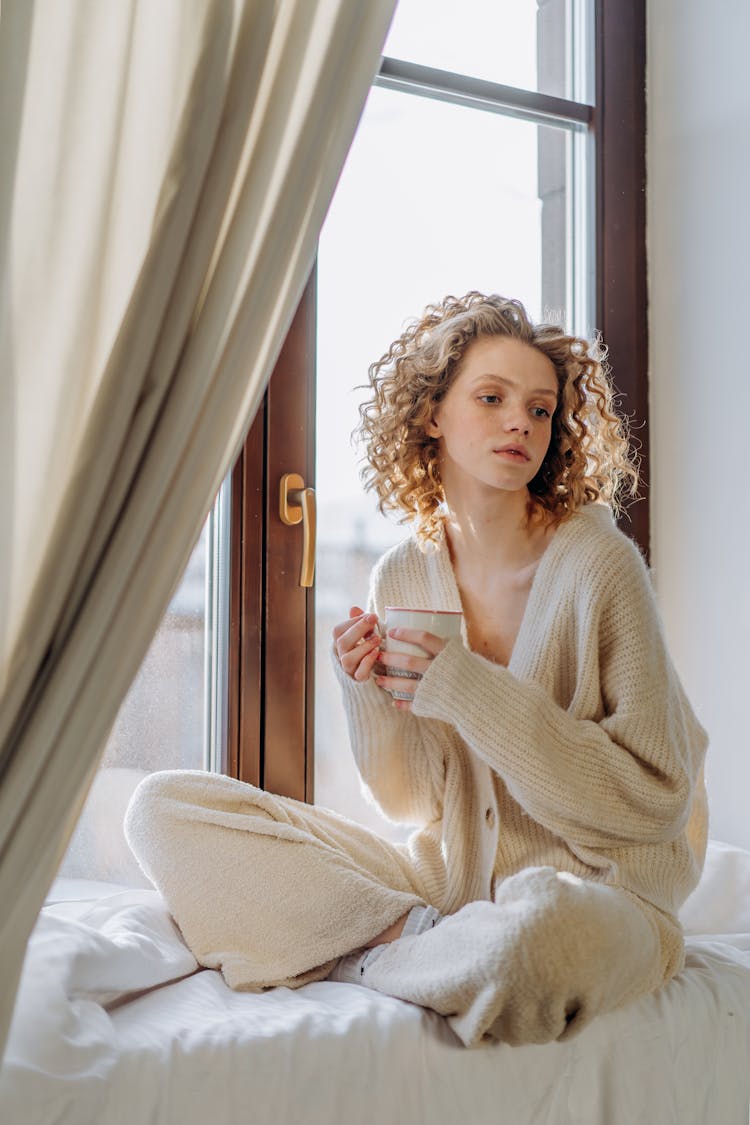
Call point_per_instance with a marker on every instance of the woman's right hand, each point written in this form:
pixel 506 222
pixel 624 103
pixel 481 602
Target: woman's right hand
pixel 357 643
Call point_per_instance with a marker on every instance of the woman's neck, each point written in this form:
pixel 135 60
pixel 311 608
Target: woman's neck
pixel 495 533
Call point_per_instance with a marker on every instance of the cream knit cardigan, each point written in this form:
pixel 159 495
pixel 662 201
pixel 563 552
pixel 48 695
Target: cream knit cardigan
pixel 583 753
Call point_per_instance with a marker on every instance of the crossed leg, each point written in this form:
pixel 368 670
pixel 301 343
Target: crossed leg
pixel 537 964
pixel 272 891
pixel 267 889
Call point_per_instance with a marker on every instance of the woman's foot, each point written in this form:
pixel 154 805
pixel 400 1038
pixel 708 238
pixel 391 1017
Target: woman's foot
pixel 350 969
pixel 390 934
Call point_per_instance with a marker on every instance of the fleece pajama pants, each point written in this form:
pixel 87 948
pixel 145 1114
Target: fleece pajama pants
pixel 272 891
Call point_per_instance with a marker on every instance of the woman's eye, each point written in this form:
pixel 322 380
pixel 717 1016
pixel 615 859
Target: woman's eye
pixel 540 412
pixel 491 400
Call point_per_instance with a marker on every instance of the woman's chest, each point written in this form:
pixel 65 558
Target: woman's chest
pixel 493 619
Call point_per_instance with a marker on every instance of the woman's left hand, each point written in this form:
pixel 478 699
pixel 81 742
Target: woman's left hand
pixel 395 662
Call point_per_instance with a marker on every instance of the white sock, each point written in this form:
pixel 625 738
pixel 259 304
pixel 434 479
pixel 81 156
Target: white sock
pixel 350 969
pixel 420 919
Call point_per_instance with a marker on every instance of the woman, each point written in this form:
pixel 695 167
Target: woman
pixel 551 759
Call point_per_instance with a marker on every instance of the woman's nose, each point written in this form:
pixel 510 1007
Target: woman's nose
pixel 517 423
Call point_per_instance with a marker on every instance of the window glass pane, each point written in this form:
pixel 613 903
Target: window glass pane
pixel 164 722
pixel 531 44
pixel 434 199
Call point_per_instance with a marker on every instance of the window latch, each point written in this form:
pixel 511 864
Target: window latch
pixel 297 505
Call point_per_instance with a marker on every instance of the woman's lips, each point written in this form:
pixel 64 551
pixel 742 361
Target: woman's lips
pixel 512 454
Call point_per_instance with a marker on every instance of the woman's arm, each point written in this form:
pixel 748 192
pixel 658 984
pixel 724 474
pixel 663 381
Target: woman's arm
pixel 400 759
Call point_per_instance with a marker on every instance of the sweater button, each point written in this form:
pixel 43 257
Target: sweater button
pixel 489 817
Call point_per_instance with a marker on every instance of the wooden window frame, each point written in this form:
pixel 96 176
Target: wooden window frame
pixel 271 660
pixel 621 277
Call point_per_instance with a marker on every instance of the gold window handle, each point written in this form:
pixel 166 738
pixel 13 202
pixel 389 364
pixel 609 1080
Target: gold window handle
pixel 297 505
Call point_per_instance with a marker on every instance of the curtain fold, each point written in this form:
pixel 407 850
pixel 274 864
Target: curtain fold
pixel 148 278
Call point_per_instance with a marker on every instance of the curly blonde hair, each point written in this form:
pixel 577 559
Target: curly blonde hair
pixel 589 456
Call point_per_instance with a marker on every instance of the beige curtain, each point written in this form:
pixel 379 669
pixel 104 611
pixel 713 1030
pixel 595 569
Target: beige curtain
pixel 165 171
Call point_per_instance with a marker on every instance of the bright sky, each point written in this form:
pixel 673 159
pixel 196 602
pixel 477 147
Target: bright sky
pixel 492 39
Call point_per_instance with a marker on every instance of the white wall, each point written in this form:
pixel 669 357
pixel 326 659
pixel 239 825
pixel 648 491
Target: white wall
pixel 699 277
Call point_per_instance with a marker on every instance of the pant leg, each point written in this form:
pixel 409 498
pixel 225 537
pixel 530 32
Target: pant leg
pixel 538 964
pixel 268 889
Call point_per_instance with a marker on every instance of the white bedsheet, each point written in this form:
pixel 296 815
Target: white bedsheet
pixel 115 1025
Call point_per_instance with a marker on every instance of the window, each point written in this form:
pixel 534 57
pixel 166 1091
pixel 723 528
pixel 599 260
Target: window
pixel 458 194
pixel 502 147
pixel 174 716
pixel 530 180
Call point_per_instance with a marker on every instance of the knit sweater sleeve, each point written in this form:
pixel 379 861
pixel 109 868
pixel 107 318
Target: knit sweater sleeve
pixel 400 759
pixel 620 771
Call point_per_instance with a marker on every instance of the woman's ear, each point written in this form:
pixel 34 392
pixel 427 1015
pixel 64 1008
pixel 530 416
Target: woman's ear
pixel 432 428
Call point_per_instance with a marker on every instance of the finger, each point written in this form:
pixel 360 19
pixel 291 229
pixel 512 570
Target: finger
pixel 341 627
pixel 402 684
pixel 405 661
pixel 354 630
pixel 351 659
pixel 428 641
pixel 355 611
pixel 361 631
pixel 363 670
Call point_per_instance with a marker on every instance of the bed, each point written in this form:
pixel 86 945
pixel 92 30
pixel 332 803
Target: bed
pixel 116 1025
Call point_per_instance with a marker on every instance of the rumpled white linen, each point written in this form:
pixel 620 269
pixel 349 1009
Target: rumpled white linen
pixel 116 1024
pixel 79 963
pixel 720 904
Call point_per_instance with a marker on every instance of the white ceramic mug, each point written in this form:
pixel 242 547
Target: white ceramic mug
pixel 442 622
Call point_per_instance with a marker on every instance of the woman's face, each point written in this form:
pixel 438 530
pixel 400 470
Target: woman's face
pixel 495 422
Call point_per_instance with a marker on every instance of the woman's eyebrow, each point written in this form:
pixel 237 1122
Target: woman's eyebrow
pixel 511 383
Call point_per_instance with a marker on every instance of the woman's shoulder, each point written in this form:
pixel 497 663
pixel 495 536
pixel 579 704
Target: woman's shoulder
pixel 400 551
pixel 403 557
pixel 594 531
pixel 604 556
